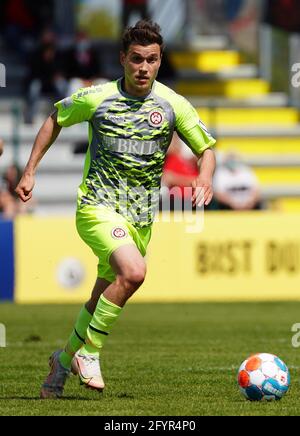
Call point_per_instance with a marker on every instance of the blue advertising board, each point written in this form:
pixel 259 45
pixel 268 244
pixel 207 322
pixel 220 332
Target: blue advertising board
pixel 6 260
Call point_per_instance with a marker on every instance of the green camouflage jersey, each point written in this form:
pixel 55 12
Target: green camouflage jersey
pixel 128 141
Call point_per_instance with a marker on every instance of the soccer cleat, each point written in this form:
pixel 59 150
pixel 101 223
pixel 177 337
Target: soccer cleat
pixel 88 369
pixel 54 384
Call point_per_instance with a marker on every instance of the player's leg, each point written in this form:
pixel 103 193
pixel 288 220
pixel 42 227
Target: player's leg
pixel 54 384
pixel 99 288
pixel 120 248
pixel 60 362
pixel 77 338
pixel 130 270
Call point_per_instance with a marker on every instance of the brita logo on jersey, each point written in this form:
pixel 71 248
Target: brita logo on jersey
pixel 156 118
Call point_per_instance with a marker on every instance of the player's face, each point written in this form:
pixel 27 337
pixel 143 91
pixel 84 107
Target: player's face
pixel 141 65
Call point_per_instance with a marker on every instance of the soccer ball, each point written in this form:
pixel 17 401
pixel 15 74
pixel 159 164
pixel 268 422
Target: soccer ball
pixel 263 377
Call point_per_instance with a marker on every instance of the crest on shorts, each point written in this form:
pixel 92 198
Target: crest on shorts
pixel 156 118
pixel 118 233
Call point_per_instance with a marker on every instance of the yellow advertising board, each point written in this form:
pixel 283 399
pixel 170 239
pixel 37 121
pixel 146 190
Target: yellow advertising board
pixel 235 257
pixel 53 265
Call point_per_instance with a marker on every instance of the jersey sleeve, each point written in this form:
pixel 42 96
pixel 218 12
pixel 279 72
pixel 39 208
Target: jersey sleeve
pixel 77 108
pixel 190 128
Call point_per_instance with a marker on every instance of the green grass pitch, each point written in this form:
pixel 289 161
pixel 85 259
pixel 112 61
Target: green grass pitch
pixel 161 359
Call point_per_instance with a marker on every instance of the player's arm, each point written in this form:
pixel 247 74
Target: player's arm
pixel 203 185
pixel 72 110
pixel 195 134
pixel 45 138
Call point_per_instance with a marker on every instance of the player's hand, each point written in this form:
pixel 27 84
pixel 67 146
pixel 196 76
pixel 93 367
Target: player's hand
pixel 202 191
pixel 25 187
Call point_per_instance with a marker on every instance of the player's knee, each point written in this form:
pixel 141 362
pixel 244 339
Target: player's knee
pixel 136 278
pixel 132 278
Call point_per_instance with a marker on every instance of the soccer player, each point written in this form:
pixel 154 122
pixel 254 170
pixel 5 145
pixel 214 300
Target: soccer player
pixel 131 123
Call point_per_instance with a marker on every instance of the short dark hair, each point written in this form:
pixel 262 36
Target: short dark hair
pixel 145 32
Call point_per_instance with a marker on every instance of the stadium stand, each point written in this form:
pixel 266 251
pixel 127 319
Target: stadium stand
pixel 246 117
pixel 235 103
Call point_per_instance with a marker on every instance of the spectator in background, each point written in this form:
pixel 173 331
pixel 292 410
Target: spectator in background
pixel 19 23
pixel 219 14
pixel 83 67
pixel 235 186
pixel 131 6
pixel 180 170
pixel 2 200
pixel 233 8
pixel 284 14
pixel 10 204
pixel 22 21
pixel 7 205
pixel 2 17
pixel 167 73
pixel 46 74
pixel 11 178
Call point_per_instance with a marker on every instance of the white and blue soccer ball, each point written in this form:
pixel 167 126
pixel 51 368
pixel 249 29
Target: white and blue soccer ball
pixel 263 376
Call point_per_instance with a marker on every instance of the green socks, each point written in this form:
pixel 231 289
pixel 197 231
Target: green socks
pixel 90 331
pixel 105 316
pixel 77 338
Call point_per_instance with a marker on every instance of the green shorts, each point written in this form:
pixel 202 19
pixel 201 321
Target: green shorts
pixel 104 231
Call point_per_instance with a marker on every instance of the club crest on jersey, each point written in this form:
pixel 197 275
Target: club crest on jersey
pixel 118 233
pixel 156 118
